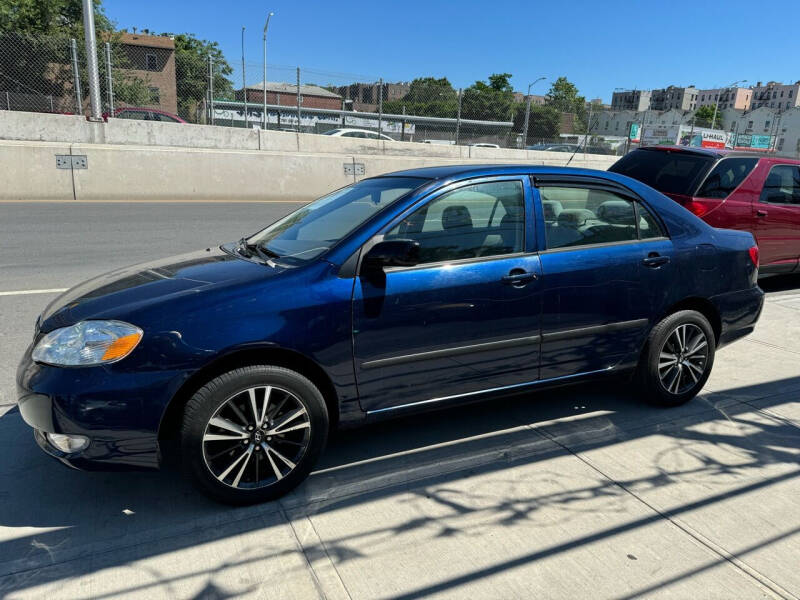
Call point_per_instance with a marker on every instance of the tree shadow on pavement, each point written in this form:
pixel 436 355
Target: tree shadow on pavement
pixel 116 518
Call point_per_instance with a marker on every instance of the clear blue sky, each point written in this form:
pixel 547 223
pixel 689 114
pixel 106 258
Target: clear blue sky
pixel 596 45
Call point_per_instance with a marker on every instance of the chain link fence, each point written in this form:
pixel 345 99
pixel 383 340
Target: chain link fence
pixel 143 77
pixel 36 73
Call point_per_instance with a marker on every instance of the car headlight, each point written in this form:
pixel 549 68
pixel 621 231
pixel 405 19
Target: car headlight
pixel 87 343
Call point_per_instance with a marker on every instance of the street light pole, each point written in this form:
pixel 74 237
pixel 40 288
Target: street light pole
pixel 716 104
pixel 528 113
pixel 264 90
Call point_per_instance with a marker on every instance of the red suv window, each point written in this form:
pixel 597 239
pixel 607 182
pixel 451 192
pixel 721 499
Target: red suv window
pixel 726 177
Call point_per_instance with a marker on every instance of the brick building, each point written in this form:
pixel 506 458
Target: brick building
pixel 285 94
pixel 151 58
pixel 364 96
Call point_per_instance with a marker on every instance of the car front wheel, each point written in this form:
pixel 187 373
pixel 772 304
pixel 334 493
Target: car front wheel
pixel 678 358
pixel 253 434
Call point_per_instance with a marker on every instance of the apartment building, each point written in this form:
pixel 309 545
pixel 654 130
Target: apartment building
pixel 681 98
pixel 737 98
pixel 776 95
pixel 636 100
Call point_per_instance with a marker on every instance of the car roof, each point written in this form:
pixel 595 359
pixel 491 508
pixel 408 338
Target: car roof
pixel 722 153
pixel 466 171
pixel 713 152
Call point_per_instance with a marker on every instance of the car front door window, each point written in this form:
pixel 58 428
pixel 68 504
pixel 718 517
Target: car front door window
pixel 463 320
pixel 485 219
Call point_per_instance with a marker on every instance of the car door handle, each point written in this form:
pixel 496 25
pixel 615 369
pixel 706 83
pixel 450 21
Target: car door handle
pixel 761 213
pixel 518 278
pixel 655 261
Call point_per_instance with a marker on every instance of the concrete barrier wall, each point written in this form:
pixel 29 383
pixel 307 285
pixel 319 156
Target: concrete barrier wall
pixel 144 160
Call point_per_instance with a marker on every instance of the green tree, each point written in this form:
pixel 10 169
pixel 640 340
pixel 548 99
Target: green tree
pixel 492 101
pixel 543 124
pixel 564 97
pixel 191 73
pixel 703 117
pixel 427 96
pixel 61 17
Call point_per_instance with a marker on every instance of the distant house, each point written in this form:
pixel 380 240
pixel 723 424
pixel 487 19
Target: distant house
pixel 151 58
pixel 364 97
pixel 285 94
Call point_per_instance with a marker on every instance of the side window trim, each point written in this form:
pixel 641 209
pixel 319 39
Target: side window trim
pixel 529 218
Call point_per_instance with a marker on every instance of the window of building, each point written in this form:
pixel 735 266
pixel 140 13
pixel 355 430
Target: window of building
pixel 155 95
pixel 790 93
pixel 485 219
pixel 781 93
pixel 151 61
pixel 749 124
pixel 766 124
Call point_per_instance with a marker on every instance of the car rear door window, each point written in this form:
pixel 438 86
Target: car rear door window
pixel 782 185
pixel 726 177
pixel 464 223
pixel 579 216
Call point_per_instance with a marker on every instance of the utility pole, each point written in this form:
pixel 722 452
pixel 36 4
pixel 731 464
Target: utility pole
pixel 264 90
pixel 93 73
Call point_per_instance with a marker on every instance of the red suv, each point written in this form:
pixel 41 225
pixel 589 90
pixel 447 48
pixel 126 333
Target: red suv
pixel 734 190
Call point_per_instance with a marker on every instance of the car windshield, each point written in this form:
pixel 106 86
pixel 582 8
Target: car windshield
pixel 668 172
pixel 332 132
pixel 308 232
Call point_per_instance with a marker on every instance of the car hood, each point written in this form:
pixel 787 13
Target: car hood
pixel 124 290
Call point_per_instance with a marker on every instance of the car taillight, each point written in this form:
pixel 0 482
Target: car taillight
pixel 754 255
pixel 701 207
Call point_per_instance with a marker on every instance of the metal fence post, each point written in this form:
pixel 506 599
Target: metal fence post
pixel 244 87
pixel 110 83
pixel 380 106
pixel 8 101
pixel 298 99
pixel 403 126
pixel 458 117
pixel 91 61
pixel 211 88
pixel 76 77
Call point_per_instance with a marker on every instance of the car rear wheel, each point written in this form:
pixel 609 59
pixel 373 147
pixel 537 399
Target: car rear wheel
pixel 678 358
pixel 253 434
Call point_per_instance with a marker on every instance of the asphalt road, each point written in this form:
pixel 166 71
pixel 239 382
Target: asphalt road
pixel 580 492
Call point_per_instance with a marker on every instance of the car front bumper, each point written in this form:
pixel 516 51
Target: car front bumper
pixel 118 411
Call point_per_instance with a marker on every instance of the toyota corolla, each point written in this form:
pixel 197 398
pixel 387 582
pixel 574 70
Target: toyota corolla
pixel 410 291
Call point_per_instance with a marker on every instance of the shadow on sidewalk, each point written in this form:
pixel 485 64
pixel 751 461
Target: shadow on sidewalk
pixel 82 515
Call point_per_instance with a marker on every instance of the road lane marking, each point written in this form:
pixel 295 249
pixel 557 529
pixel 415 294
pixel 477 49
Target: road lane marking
pixel 26 292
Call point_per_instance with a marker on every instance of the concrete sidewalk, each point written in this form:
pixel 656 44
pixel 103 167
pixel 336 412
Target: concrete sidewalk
pixel 578 492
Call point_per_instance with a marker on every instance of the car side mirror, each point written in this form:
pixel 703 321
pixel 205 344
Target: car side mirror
pixel 392 253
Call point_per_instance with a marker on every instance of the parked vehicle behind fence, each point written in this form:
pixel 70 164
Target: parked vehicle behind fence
pixel 358 133
pixel 410 291
pixel 735 190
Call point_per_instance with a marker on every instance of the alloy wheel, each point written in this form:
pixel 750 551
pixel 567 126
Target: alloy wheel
pixel 683 358
pixel 256 437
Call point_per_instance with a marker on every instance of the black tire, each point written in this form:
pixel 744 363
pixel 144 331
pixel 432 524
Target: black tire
pixel 261 458
pixel 656 372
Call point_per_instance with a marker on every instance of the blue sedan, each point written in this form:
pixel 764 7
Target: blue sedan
pixel 411 291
